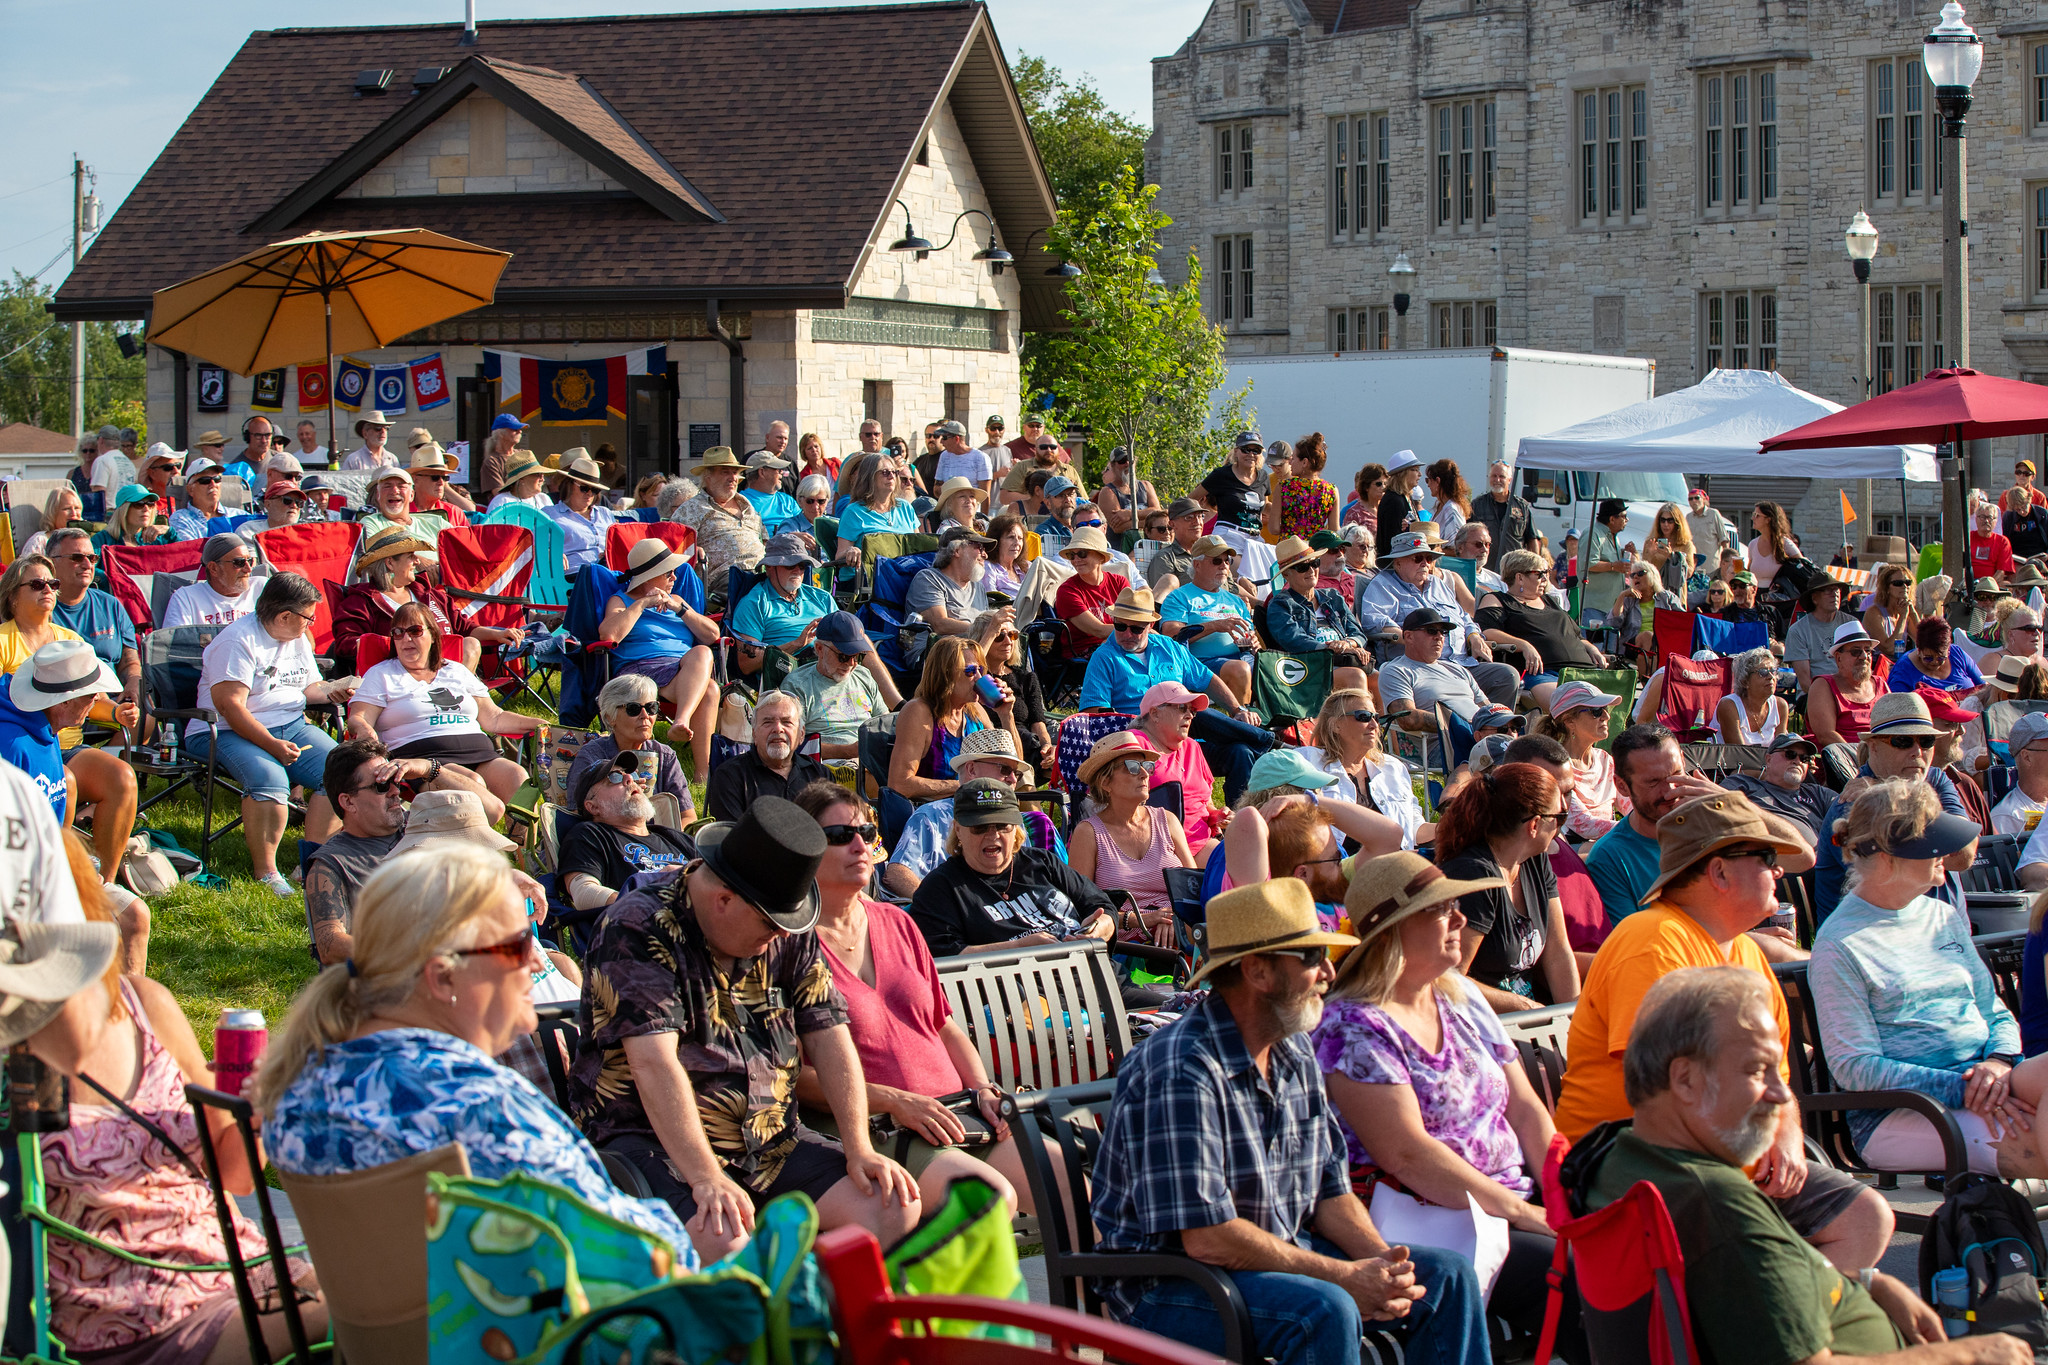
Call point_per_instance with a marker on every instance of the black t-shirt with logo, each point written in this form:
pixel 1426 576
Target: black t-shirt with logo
pixel 611 856
pixel 1236 503
pixel 1514 939
pixel 957 907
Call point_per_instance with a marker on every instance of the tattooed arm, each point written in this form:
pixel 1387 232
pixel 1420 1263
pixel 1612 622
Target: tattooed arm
pixel 328 915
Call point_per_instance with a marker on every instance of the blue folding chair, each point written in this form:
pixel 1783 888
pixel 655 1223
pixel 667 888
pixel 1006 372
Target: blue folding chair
pixel 900 640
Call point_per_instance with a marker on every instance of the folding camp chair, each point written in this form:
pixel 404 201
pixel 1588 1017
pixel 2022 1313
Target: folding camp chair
pixel 129 571
pixel 624 535
pixel 171 661
pixel 1674 632
pixel 1077 735
pixel 1616 682
pixel 1630 1272
pixel 487 572
pixel 1692 689
pixel 550 584
pixel 1999 718
pixel 323 551
pixel 880 545
pixel 1466 569
pixel 900 639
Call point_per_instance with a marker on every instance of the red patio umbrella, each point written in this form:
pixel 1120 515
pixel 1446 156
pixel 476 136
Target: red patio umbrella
pixel 1946 405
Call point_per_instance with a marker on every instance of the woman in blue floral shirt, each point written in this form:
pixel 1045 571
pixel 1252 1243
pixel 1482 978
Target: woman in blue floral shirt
pixel 389 1055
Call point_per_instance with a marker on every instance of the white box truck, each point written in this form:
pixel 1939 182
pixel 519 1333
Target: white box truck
pixel 1467 405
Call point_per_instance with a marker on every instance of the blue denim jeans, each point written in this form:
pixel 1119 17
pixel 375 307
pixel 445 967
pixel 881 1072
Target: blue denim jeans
pixel 260 776
pixel 1231 748
pixel 1300 1321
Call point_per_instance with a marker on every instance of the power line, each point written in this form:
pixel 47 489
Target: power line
pixel 33 188
pixel 61 227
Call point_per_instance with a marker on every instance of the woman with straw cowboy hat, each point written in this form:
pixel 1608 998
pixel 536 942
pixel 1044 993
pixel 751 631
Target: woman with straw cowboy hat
pixel 1125 844
pixel 523 479
pixel 1429 1092
pixel 655 632
pixel 584 519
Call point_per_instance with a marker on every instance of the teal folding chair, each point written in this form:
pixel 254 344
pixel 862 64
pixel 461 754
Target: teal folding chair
pixel 549 586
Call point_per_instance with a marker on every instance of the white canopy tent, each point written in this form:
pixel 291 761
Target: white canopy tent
pixel 1715 427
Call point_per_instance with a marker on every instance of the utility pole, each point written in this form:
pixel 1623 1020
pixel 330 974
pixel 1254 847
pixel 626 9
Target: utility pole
pixel 77 328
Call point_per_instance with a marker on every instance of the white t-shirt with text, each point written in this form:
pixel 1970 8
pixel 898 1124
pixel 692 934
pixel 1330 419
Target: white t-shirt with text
pixel 197 604
pixel 276 672
pixel 35 876
pixel 416 710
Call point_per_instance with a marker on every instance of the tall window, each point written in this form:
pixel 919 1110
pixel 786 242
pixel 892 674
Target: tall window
pixel 1905 334
pixel 1905 164
pixel 1233 279
pixel 1247 22
pixel 1464 150
pixel 2037 241
pixel 1738 140
pixel 1361 329
pixel 1614 154
pixel 1739 330
pixel 1359 176
pixel 1474 323
pixel 2037 63
pixel 1233 158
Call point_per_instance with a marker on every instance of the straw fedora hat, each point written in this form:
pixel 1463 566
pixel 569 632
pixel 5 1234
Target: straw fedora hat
pixel 522 464
pixel 1087 538
pixel 649 559
pixel 1110 748
pixel 432 458
pixel 957 485
pixel 718 457
pixel 577 464
pixel 372 418
pixel 209 437
pixel 1388 889
pixel 389 542
pixel 1291 551
pixel 1134 604
pixel 1279 913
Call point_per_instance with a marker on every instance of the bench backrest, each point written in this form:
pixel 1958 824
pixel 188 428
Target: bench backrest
pixel 1040 1017
pixel 1541 1036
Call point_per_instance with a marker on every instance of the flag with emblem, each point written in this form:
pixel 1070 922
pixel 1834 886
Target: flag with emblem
pixel 388 388
pixel 429 382
pixel 1289 687
pixel 312 388
pixel 267 394
pixel 351 384
pixel 569 393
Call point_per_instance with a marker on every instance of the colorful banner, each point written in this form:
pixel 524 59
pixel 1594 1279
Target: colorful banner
pixel 429 382
pixel 312 388
pixel 213 388
pixel 351 385
pixel 569 393
pixel 388 389
pixel 268 394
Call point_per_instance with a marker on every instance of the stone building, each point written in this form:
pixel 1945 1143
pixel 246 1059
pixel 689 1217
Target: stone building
pixel 725 185
pixel 1649 178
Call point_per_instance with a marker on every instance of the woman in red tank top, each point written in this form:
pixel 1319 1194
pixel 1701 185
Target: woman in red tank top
pixel 1838 707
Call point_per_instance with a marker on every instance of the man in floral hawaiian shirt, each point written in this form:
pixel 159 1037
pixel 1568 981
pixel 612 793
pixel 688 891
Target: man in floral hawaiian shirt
pixel 696 995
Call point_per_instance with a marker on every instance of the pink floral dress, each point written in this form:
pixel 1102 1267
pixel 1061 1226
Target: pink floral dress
pixel 1306 506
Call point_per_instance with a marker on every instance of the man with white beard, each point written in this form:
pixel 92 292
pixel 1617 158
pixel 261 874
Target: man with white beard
pixel 613 841
pixel 773 767
pixel 1705 1075
pixel 1221 1145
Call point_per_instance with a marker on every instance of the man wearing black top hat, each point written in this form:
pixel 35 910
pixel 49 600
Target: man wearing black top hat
pixel 702 999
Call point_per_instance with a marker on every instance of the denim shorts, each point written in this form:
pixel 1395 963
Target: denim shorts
pixel 260 776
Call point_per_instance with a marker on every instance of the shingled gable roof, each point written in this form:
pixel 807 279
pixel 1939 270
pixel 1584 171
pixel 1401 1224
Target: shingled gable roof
pixel 557 102
pixel 769 114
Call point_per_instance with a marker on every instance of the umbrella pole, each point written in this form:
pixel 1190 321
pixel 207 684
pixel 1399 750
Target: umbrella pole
pixel 333 450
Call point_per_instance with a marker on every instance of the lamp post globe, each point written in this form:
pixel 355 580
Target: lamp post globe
pixel 1402 271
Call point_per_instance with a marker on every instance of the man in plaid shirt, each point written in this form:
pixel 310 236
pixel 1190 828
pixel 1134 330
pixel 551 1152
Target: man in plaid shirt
pixel 1221 1145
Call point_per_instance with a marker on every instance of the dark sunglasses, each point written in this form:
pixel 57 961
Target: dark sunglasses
pixel 1221 559
pixel 407 632
pixel 1767 856
pixel 1556 817
pixel 1133 627
pixel 39 584
pixel 381 788
pixel 1308 957
pixel 83 559
pixel 298 502
pixel 1363 717
pixel 839 836
pixel 970 671
pixel 641 708
pixel 1050 445
pixel 1904 742
pixel 238 563
pixel 515 950
pixel 203 481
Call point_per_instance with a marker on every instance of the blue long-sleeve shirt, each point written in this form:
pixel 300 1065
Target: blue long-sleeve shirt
pixel 1828 870
pixel 1904 1002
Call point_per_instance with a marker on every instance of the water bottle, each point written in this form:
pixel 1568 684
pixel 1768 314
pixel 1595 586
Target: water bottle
pixel 1952 1290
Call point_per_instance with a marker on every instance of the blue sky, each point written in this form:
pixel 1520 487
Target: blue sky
pixel 111 80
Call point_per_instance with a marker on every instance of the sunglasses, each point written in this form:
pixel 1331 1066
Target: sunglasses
pixel 204 481
pixel 1555 817
pixel 1905 742
pixel 970 670
pixel 516 950
pixel 819 501
pixel 1767 856
pixel 839 836
pixel 1139 767
pixel 39 584
pixel 1363 717
pixel 1133 627
pixel 430 478
pixel 641 708
pixel 1221 559
pixel 381 788
pixel 1049 446
pixel 1857 651
pixel 407 632
pixel 617 777
pixel 239 563
pixel 1308 957
pixel 83 559
pixel 290 501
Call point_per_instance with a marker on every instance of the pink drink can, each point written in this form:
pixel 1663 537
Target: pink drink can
pixel 238 1042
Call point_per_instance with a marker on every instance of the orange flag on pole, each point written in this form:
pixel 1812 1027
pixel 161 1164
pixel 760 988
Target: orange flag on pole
pixel 1848 508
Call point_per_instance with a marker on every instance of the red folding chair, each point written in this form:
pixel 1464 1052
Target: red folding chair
pixel 1692 689
pixel 371 650
pixel 129 569
pixel 324 551
pixel 487 570
pixel 1630 1271
pixel 1673 631
pixel 624 535
pixel 872 1317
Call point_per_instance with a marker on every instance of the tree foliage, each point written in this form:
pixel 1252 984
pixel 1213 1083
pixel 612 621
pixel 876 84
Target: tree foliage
pixel 1083 142
pixel 35 365
pixel 1140 360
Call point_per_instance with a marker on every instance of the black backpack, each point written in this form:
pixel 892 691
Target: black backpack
pixel 1988 1228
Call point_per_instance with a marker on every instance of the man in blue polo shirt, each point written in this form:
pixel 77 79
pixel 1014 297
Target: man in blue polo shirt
pixel 1135 657
pixel 784 610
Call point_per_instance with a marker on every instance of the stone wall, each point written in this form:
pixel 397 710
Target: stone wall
pixel 480 147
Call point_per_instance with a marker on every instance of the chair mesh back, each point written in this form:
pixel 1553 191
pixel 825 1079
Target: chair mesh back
pixel 171 660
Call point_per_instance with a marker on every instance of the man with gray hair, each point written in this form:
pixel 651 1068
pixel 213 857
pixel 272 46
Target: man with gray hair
pixel 615 841
pixel 950 594
pixel 1475 542
pixel 226 589
pixel 672 495
pixel 772 767
pixel 111 470
pixel 1705 1075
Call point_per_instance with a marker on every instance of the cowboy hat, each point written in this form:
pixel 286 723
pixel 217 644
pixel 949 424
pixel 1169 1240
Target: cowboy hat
pixel 1087 538
pixel 649 559
pixel 718 457
pixel 1134 604
pixel 61 671
pixel 389 543
pixel 1111 747
pixel 957 485
pixel 1388 889
pixel 42 966
pixel 372 418
pixel 1261 918
pixel 577 464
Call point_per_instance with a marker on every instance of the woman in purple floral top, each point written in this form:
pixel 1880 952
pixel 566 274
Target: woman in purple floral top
pixel 1427 1088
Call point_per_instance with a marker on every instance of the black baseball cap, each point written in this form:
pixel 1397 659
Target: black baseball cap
pixel 986 802
pixel 1424 618
pixel 1784 742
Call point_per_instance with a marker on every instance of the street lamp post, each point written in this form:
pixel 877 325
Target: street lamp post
pixel 1860 241
pixel 1402 272
pixel 1953 55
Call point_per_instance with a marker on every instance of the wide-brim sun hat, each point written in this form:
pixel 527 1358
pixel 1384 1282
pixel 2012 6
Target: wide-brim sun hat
pixel 786 552
pixel 1390 888
pixel 1111 747
pixel 450 815
pixel 523 464
pixel 1265 917
pixel 42 966
pixel 372 418
pixel 955 486
pixel 718 457
pixel 577 464
pixel 1087 538
pixel 389 543
pixel 1705 825
pixel 649 559
pixel 61 671
pixel 1292 550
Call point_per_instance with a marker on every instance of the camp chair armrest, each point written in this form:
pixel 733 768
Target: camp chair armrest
pixel 194 713
pixel 1955 1155
pixel 1212 1280
pixel 1146 952
pixel 601 646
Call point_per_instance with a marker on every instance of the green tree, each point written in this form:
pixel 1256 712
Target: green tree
pixel 35 365
pixel 1082 141
pixel 1141 360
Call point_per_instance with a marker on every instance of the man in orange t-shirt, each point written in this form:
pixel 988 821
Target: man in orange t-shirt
pixel 1717 878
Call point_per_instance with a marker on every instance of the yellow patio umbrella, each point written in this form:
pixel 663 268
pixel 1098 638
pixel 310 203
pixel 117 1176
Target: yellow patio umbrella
pixel 305 299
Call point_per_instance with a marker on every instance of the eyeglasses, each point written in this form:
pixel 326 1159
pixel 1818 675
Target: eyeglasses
pixel 39 584
pixel 1555 817
pixel 1133 627
pixel 308 617
pixel 407 632
pixel 1308 957
pixel 516 950
pixel 83 559
pixel 1767 856
pixel 641 708
pixel 1139 767
pixel 839 836
pixel 1905 742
